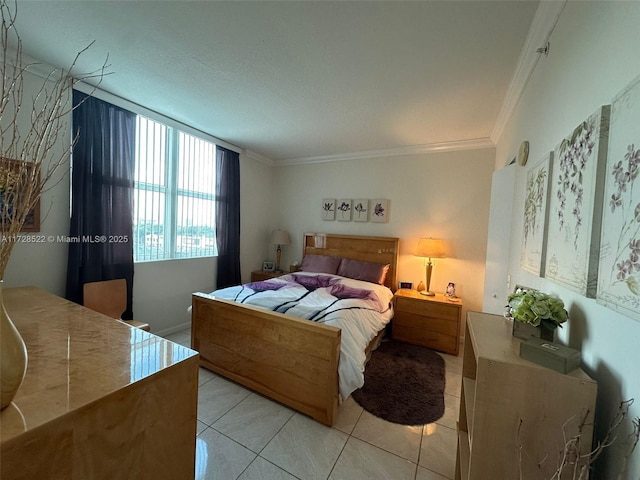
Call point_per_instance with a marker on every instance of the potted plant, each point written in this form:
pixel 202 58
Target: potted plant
pixel 535 314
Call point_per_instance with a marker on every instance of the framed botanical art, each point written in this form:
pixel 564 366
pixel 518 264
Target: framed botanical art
pixel 575 205
pixel 328 209
pixel 619 260
pixel 10 172
pixel 361 210
pixel 379 210
pixel 343 209
pixel 535 215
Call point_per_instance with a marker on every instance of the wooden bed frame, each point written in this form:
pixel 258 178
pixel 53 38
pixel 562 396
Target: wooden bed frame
pixel 290 360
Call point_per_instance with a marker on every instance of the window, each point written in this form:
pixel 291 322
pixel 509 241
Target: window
pixel 174 198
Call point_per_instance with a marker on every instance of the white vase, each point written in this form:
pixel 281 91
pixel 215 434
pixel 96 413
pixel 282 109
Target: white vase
pixel 13 357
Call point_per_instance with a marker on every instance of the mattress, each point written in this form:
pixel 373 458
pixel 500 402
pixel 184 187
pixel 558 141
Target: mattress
pixel 360 309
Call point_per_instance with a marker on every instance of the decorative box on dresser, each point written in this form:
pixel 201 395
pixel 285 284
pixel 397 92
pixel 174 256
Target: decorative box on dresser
pixel 100 400
pixel 429 321
pixel 513 411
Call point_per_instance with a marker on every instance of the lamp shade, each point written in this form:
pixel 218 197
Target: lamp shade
pixel 431 248
pixel 280 237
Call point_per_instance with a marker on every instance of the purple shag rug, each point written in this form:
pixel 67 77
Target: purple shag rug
pixel 403 384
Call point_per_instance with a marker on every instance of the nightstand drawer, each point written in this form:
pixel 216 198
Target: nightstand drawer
pixel 260 276
pixel 426 338
pixel 429 321
pixel 430 308
pixel 446 326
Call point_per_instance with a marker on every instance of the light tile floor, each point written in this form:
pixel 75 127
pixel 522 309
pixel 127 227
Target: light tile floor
pixel 243 435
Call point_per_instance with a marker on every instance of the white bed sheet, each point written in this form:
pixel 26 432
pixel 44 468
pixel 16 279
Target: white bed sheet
pixel 359 320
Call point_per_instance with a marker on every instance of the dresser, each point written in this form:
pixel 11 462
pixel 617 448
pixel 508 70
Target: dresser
pixel 428 321
pixel 100 400
pixel 511 407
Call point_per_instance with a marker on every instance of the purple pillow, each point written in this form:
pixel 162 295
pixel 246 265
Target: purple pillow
pixel 320 264
pixel 366 271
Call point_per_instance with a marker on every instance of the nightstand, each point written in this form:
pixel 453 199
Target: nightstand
pixel 259 275
pixel 432 322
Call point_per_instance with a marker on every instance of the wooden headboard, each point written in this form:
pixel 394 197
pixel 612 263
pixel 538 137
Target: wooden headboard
pixel 356 247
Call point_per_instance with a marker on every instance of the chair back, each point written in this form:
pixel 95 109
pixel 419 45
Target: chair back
pixel 108 297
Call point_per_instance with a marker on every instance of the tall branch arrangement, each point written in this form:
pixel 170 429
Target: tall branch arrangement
pixel 574 463
pixel 30 141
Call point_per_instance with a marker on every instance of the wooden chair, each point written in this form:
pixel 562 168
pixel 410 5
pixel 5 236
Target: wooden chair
pixel 110 298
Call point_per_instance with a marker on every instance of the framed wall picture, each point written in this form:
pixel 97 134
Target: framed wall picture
pixel 361 210
pixel 328 209
pixel 10 171
pixel 534 216
pixel 619 265
pixel 379 210
pixel 575 205
pixel 343 209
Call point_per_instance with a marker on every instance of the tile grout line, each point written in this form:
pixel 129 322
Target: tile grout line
pixel 270 440
pixel 338 457
pixel 415 475
pixel 231 408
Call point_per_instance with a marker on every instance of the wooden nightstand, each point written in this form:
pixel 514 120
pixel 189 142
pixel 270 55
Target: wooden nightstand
pixel 432 322
pixel 259 275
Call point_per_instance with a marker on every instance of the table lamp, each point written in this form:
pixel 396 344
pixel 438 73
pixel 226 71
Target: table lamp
pixel 279 238
pixel 429 248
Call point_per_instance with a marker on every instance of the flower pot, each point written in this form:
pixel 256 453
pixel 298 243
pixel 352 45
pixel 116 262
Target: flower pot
pixel 526 331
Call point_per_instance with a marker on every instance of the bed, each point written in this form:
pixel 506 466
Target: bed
pixel 291 360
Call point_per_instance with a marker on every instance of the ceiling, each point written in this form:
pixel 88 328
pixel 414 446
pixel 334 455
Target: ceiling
pixel 298 80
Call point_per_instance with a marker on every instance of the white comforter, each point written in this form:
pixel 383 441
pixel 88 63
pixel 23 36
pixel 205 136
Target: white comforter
pixel 359 309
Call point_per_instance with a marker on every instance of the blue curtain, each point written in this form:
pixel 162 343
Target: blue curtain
pixel 103 163
pixel 228 217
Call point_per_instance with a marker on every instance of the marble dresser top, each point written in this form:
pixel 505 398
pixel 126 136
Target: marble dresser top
pixel 76 357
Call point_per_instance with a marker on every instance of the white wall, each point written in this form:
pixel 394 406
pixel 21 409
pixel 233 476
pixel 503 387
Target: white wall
pixel 259 211
pixel 593 55
pixel 442 195
pixel 40 259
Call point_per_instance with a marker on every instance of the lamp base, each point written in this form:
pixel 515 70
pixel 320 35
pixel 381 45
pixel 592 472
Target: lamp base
pixel 429 269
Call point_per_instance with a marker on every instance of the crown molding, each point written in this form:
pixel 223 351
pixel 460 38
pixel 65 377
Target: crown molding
pixel 34 66
pixel 542 26
pixel 473 144
pixel 250 154
pixel 43 71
